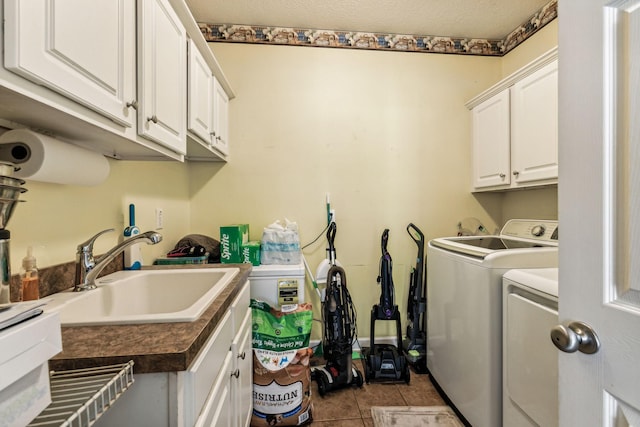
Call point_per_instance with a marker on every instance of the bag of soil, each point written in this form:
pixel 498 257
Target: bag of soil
pixel 281 371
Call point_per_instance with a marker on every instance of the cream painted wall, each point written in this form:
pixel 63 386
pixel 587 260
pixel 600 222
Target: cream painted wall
pixel 542 41
pixel 56 218
pixel 386 134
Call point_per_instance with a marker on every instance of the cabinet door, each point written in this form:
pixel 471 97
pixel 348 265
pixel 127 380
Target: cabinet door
pixel 197 381
pixel 62 46
pixel 220 118
pixel 200 83
pixel 162 88
pixel 534 140
pixel 491 137
pixel 242 384
pixel 218 408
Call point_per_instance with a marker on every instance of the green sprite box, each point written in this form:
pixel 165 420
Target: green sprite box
pixel 231 239
pixel 251 252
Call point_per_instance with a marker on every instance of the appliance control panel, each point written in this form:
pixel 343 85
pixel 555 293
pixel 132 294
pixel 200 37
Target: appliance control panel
pixel 287 291
pixel 542 230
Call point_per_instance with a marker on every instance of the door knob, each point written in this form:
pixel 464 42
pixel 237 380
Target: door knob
pixel 577 336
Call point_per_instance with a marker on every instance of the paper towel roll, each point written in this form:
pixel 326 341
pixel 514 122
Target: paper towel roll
pixel 43 158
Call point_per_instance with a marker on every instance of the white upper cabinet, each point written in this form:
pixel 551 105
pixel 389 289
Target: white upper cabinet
pixel 491 141
pixel 534 126
pixel 162 89
pixel 208 112
pixel 200 100
pixel 61 45
pixel 108 75
pixel 220 118
pixel 515 129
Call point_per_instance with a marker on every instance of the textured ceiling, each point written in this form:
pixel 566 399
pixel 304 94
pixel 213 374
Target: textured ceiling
pixel 485 19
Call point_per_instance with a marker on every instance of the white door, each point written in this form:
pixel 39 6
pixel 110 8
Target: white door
pixel 599 208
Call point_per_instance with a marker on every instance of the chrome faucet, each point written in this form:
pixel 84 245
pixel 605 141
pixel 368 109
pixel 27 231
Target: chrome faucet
pixel 88 268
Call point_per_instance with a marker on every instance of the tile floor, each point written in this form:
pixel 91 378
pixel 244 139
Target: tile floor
pixel 351 407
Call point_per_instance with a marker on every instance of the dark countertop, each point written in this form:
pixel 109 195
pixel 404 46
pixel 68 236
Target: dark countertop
pixel 153 347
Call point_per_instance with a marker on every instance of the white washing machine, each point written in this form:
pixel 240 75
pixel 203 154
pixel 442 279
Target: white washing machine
pixel 464 311
pixel 530 360
pixel 277 285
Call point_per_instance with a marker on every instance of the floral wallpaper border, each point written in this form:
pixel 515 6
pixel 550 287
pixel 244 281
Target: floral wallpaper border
pixel 374 41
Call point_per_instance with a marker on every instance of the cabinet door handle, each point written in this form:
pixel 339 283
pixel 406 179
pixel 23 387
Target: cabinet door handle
pixel 502 175
pixel 242 356
pixel 236 373
pixel 153 119
pixel 133 104
pixel 218 138
pixel 516 173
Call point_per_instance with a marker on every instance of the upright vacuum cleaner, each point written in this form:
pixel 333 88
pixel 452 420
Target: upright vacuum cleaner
pixel 415 343
pixel 339 319
pixel 385 362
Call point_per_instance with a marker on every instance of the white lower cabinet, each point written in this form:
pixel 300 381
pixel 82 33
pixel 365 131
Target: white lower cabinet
pixel 218 409
pixel 216 390
pixel 242 381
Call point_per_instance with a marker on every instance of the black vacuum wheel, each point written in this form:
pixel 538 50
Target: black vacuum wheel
pixel 359 380
pixel 367 371
pixel 407 373
pixel 322 384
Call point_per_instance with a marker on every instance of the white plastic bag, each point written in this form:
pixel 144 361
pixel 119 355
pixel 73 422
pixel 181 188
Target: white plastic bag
pixel 280 244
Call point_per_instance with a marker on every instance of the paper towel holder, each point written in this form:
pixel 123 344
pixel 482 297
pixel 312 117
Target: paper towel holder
pixel 15 152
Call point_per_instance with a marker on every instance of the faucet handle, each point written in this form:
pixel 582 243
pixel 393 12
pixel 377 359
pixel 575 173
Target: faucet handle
pixel 87 247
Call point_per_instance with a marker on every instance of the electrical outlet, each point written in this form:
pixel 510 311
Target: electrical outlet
pixel 159 218
pixel 332 212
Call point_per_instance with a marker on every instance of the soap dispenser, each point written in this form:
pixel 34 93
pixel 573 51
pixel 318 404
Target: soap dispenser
pixel 29 280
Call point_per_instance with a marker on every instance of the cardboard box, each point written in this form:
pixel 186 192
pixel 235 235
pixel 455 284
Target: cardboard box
pixel 251 252
pixel 231 239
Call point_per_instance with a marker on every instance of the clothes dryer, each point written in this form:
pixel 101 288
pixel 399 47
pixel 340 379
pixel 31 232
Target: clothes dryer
pixel 530 360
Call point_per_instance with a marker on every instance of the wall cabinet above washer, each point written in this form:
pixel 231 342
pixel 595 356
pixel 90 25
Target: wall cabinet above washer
pixel 75 74
pixel 515 129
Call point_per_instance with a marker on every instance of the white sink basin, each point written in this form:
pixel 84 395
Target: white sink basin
pixel 143 296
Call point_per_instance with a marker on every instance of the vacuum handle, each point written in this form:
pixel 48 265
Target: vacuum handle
pixel 331 236
pixel 384 240
pixel 413 230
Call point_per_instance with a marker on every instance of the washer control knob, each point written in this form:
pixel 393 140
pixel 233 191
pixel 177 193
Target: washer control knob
pixel 538 230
